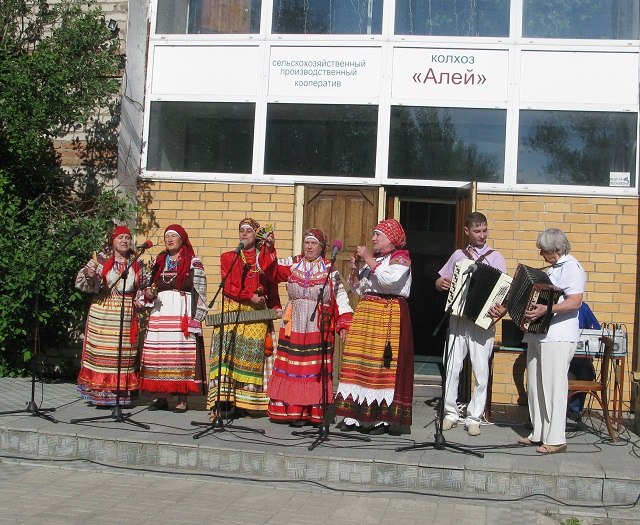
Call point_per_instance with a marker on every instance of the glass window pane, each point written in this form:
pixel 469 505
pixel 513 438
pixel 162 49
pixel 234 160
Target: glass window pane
pixel 574 147
pixel 201 137
pixel 457 144
pixel 597 19
pixel 318 139
pixel 208 16
pixel 319 17
pixel 452 18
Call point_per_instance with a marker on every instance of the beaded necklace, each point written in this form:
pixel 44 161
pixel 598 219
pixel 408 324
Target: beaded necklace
pixel 253 270
pixel 171 265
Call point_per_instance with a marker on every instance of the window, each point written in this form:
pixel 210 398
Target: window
pixel 475 18
pixel 319 17
pixel 587 19
pixel 455 144
pixel 318 139
pixel 208 16
pixel 577 148
pixel 201 137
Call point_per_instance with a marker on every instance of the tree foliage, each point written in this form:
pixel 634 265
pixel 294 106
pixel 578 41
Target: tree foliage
pixel 58 78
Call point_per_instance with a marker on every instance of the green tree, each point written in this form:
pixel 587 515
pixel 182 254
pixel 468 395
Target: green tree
pixel 58 78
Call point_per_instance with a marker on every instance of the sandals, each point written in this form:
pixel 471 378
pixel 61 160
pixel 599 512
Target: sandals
pixel 527 442
pixel 551 449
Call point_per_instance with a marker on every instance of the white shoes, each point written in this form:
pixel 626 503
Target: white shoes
pixel 473 429
pixel 448 424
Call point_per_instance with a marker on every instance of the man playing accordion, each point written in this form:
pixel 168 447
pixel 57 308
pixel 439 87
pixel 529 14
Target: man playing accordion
pixel 464 335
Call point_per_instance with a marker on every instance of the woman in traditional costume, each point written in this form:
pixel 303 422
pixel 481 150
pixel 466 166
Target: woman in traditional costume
pixel 295 389
pixel 376 381
pixel 173 353
pixel 98 379
pixel 247 352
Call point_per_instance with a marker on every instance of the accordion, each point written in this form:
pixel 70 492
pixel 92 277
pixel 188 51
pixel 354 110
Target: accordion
pixel 241 317
pixel 487 287
pixel 531 286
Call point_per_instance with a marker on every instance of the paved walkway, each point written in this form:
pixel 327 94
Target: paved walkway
pixel 112 472
pixel 52 494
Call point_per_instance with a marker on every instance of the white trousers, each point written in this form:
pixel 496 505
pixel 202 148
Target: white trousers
pixel 547 389
pixel 467 337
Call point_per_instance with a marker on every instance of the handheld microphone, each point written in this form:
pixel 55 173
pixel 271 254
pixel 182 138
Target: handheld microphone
pixel 337 246
pixel 239 248
pixel 472 268
pixel 75 231
pixel 145 245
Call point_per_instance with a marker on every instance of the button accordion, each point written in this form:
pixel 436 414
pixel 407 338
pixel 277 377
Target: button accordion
pixel 531 286
pixel 487 287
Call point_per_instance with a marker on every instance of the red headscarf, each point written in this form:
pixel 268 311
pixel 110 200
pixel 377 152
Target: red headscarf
pixel 118 230
pixel 394 232
pixel 184 257
pixel 318 235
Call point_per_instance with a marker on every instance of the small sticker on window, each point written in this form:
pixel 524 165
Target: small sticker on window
pixel 619 179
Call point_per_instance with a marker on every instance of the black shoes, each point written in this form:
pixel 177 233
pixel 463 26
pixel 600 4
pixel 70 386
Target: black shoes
pixel 344 427
pixel 159 404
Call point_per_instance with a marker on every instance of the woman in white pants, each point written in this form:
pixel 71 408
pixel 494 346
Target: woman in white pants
pixel 549 355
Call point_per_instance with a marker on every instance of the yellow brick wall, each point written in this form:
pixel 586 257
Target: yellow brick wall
pixel 604 236
pixel 602 232
pixel 210 213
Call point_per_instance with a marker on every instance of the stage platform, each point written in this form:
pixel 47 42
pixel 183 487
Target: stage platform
pixel 593 471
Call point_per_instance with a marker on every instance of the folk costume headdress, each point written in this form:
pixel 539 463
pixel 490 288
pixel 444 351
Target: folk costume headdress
pixel 394 232
pixel 184 257
pixel 318 235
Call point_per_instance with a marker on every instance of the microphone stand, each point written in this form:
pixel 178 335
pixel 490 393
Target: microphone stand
pixel 439 442
pixel 218 424
pixel 116 412
pixel 32 407
pixel 323 429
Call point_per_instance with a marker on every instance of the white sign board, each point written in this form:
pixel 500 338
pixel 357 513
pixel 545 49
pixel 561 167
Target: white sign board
pixel 325 71
pixel 579 78
pixel 205 70
pixel 450 74
pixel 619 179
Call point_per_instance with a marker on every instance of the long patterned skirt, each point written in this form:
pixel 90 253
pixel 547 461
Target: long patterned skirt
pixel 295 389
pixel 98 378
pixel 245 366
pixel 171 363
pixel 368 390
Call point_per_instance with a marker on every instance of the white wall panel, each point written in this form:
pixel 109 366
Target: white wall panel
pixel 206 70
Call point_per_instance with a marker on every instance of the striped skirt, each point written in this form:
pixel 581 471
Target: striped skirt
pixel 170 361
pixel 295 388
pixel 369 391
pixel 245 367
pixel 98 378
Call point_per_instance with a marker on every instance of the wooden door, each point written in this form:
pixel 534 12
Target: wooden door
pixel 346 214
pixel 226 16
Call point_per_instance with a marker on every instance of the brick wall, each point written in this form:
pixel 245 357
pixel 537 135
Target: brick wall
pixel 602 231
pixel 210 213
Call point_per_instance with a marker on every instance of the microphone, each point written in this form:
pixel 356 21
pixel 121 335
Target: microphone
pixel 472 268
pixel 337 246
pixel 240 247
pixel 145 245
pixel 75 231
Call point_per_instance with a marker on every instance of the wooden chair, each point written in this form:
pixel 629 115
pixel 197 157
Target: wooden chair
pixel 598 389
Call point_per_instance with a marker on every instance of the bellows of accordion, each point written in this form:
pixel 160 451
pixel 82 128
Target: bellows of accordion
pixel 241 316
pixel 531 286
pixel 487 287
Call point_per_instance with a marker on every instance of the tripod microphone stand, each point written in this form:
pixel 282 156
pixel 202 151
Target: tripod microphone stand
pixel 439 442
pixel 116 412
pixel 218 424
pixel 323 429
pixel 32 407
